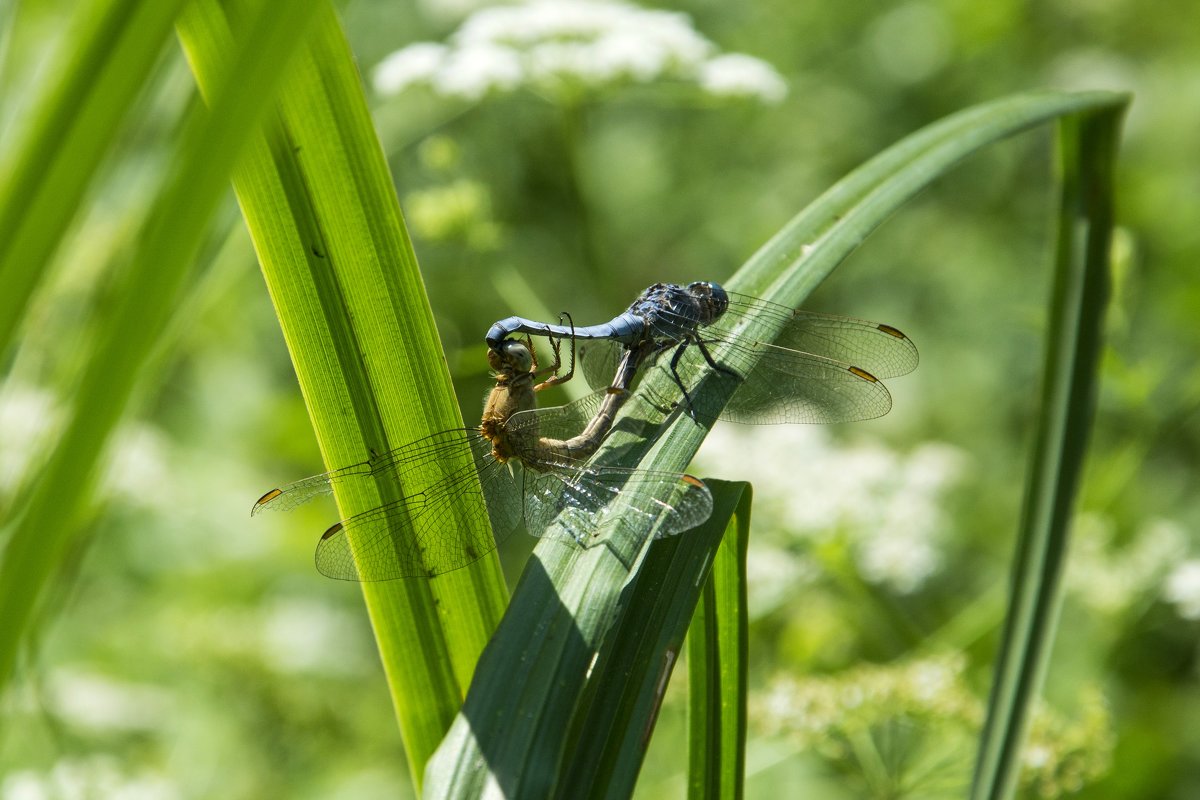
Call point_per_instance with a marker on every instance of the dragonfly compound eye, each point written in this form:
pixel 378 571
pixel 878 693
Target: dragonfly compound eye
pixel 511 355
pixel 712 297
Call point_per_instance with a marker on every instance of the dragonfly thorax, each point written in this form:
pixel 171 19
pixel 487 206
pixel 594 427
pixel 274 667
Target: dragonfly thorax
pixel 671 312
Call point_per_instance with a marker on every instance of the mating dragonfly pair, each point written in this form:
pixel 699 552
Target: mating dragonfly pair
pixel 776 365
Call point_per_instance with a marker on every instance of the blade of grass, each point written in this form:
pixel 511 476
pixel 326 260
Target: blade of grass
pixel 615 641
pixel 1088 146
pixel 608 743
pixel 150 288
pixel 537 667
pixel 110 57
pixel 718 653
pixel 322 211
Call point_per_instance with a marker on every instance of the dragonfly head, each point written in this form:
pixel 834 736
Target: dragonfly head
pixel 712 299
pixel 510 359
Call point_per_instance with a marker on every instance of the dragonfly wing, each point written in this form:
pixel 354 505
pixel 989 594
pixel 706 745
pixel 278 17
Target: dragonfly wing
pixel 786 386
pixel 299 492
pixel 881 350
pixel 294 494
pixel 431 531
pixel 405 464
pixel 596 502
pixel 680 502
pixel 558 422
pixel 774 385
pixel 599 359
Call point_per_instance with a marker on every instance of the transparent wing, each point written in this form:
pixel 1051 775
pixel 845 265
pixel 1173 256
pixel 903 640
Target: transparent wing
pixel 781 388
pixel 789 387
pixel 415 460
pixel 588 496
pixel 599 359
pixel 881 350
pixel 428 532
pixel 593 502
pixel 589 499
pixel 410 537
pixel 560 422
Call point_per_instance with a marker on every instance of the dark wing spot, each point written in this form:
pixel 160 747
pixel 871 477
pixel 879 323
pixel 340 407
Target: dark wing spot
pixel 862 373
pixel 266 498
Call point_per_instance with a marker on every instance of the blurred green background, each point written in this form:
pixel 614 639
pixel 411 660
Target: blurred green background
pixel 191 652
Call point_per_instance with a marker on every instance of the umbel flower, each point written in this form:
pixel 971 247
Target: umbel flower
pixel 910 728
pixel 568 48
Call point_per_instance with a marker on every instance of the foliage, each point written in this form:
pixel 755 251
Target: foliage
pixel 182 636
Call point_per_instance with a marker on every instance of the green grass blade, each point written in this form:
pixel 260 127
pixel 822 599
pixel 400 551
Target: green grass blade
pixel 795 261
pixel 149 291
pixel 608 743
pixel 319 202
pixel 718 644
pixel 1088 145
pixel 590 745
pixel 111 55
pixel 530 683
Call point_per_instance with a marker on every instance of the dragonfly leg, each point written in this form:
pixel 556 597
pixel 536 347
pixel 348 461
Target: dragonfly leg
pixel 556 346
pixel 533 362
pixel 702 345
pixel 687 398
pixel 703 348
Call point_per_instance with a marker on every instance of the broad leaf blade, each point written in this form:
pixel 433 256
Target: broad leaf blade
pixel 718 652
pixel 148 293
pixel 322 210
pixel 608 743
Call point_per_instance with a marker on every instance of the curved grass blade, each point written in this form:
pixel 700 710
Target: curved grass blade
pixel 599 748
pixel 1088 145
pixel 532 682
pixel 148 293
pixel 110 57
pixel 718 652
pixel 607 745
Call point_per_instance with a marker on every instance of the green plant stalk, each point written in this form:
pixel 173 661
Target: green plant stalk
pixel 55 502
pixel 1088 146
pixel 718 656
pixel 322 211
pixel 638 624
pixel 532 679
pixel 77 119
pixel 647 639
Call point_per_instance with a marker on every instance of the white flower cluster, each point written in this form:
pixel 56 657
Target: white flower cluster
pixel 28 417
pixel 1182 589
pixel 887 504
pixel 78 779
pixel 93 702
pixel 1110 578
pixel 825 711
pixel 926 710
pixel 562 47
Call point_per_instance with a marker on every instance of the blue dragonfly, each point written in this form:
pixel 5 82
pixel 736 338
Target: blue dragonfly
pixel 813 367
